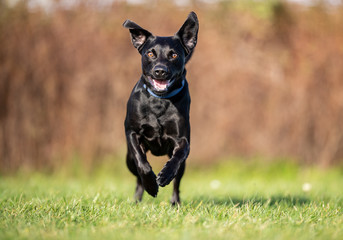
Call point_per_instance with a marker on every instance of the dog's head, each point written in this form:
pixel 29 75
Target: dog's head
pixel 164 58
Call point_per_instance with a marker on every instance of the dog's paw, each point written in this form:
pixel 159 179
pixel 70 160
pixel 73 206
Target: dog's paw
pixel 150 184
pixel 175 201
pixel 165 177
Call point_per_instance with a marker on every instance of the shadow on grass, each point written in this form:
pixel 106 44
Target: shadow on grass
pixel 276 200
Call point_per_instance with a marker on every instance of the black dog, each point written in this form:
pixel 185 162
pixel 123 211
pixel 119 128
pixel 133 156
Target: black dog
pixel 157 116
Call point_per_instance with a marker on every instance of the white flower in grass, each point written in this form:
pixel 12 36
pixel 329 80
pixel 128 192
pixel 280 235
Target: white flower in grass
pixel 307 187
pixel 215 184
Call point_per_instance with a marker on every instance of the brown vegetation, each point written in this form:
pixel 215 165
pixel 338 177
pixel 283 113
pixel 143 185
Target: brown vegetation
pixel 266 83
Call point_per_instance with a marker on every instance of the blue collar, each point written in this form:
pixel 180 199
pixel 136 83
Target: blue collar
pixel 168 95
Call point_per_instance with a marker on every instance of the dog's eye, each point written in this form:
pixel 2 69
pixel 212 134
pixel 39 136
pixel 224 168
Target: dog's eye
pixel 174 56
pixel 150 54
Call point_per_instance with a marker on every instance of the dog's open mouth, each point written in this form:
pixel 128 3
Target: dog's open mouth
pixel 160 84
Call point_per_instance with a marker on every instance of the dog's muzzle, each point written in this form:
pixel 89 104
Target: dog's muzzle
pixel 160 85
pixel 160 78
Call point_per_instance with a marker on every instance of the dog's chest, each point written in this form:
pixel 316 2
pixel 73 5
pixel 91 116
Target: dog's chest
pixel 158 113
pixel 158 107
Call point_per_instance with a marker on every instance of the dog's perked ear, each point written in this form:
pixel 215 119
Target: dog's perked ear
pixel 188 34
pixel 138 34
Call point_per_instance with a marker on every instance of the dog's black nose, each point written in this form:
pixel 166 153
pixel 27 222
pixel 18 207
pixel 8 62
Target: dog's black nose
pixel 160 72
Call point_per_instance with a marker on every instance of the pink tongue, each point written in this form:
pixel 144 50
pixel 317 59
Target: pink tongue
pixel 160 84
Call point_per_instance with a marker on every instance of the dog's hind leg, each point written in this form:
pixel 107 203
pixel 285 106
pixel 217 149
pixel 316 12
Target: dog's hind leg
pixel 130 162
pixel 176 188
pixel 139 190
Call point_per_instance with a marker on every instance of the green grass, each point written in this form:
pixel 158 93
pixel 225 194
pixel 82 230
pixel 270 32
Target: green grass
pixel 230 200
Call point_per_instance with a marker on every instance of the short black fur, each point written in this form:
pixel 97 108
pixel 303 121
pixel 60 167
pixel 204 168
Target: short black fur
pixel 157 118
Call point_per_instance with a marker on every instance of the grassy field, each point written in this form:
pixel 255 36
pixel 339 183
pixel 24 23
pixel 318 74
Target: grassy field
pixel 230 200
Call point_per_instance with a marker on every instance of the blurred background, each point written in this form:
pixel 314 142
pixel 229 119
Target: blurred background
pixel 266 79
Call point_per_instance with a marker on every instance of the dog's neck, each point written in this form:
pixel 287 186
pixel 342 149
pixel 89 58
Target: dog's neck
pixel 167 95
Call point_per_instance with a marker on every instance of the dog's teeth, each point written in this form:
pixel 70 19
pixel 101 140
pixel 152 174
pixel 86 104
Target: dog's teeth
pixel 160 85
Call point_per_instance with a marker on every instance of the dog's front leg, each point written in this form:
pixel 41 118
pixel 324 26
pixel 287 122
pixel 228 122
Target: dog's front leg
pixel 144 169
pixel 171 168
